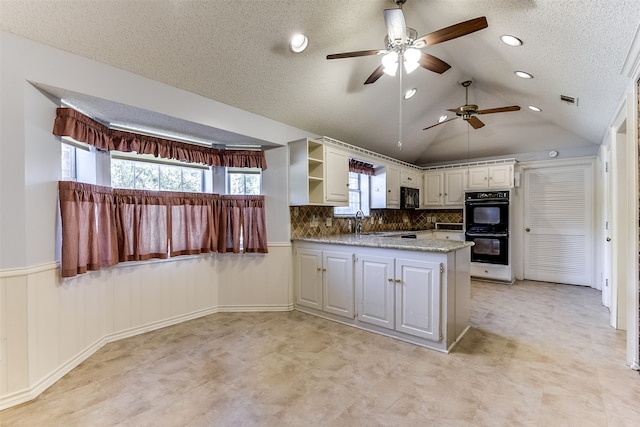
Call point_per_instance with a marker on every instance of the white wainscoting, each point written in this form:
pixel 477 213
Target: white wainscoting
pixel 48 326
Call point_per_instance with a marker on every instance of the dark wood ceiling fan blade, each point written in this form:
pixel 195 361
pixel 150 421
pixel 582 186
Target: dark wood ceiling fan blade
pixel 354 54
pixel 432 63
pixel 444 121
pixel 377 73
pixel 499 110
pixel 475 122
pixel 452 32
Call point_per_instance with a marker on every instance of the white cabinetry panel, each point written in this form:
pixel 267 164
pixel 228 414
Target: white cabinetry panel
pixel 337 271
pixel 309 278
pixel 336 176
pixel 375 289
pixel 418 298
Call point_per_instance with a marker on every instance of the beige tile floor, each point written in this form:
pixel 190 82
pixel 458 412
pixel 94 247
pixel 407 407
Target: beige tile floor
pixel 538 354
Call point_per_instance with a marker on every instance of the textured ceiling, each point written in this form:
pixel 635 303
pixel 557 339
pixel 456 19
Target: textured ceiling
pixel 235 52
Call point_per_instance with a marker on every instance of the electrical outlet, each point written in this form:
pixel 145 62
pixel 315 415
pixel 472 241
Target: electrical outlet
pixel 314 222
pixel 328 221
pixel 433 219
pixel 380 219
pixel 428 220
pixel 296 211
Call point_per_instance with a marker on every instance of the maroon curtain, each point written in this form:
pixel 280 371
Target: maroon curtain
pixel 102 226
pixel 89 234
pixel 76 125
pixel 363 168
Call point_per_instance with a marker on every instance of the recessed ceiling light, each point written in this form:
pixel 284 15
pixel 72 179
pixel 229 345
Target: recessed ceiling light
pixel 298 43
pixel 511 40
pixel 523 74
pixel 534 108
pixel 409 94
pixel 442 118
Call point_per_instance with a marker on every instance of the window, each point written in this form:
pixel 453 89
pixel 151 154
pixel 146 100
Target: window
pixel 68 162
pixel 154 175
pixel 358 196
pixel 246 181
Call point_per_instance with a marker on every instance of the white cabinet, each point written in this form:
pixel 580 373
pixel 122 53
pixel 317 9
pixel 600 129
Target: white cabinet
pixel 336 177
pixel 399 294
pixel 385 188
pixel 324 281
pixel 318 175
pixel 444 188
pixel 409 178
pixel 448 235
pixel 494 176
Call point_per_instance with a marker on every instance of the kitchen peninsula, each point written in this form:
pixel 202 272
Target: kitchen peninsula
pixel 416 290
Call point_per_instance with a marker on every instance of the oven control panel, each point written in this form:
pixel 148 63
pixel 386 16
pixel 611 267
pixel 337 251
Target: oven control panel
pixel 487 195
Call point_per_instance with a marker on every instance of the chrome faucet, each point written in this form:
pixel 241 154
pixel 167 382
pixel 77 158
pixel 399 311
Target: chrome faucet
pixel 359 218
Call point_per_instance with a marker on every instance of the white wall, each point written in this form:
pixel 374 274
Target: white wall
pixel 49 325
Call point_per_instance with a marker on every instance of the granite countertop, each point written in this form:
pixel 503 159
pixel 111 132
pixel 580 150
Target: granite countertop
pixel 389 241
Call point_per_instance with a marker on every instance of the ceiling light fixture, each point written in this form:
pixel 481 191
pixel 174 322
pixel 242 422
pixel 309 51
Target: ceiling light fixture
pixel 511 40
pixel 523 74
pixel 298 43
pixel 442 118
pixel 411 58
pixel 534 108
pixel 409 94
pixel 390 63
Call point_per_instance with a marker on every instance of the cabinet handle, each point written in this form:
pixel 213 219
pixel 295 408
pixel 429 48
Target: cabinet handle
pixel 319 269
pixel 390 279
pixel 347 185
pixel 398 281
pixel 388 191
pixel 527 229
pixel 446 194
pixel 324 269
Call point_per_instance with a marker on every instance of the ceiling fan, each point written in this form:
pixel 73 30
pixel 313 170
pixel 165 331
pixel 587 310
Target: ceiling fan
pixel 468 111
pixel 403 43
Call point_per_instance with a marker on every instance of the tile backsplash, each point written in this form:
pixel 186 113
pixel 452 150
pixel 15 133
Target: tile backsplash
pixel 320 221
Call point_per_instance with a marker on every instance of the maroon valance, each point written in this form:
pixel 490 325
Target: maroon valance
pixel 76 125
pixel 356 166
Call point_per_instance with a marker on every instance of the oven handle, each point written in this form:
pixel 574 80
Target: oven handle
pixel 482 202
pixel 489 235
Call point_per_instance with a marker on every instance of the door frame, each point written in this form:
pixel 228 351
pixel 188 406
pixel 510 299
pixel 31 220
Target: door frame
pixel 625 232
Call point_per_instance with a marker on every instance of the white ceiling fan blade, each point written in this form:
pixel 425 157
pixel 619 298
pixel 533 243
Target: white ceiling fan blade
pixel 396 26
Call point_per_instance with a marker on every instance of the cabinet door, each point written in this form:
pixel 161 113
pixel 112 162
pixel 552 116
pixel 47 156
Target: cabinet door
pixel 454 187
pixel 478 178
pixel 375 290
pixel 393 186
pixel 338 288
pixel 418 298
pixel 501 176
pixel 336 163
pixel 409 178
pixel 309 278
pixel 433 186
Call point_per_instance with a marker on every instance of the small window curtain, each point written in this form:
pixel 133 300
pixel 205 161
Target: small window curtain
pixel 76 125
pixel 356 166
pixel 102 226
pixel 89 231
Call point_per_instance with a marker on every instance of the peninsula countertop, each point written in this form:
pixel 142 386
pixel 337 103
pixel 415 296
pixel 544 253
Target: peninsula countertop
pixel 388 241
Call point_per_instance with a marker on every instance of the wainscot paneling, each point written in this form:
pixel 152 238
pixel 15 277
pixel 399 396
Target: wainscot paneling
pixel 48 325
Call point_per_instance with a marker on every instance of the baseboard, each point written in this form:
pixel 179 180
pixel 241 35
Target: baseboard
pixel 34 391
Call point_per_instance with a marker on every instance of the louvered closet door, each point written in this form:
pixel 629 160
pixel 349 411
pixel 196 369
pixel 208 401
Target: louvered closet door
pixel 558 214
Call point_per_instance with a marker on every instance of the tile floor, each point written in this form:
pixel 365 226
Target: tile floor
pixel 538 354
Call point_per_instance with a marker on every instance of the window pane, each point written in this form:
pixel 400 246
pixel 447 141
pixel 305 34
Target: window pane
pixel 68 162
pixel 236 183
pixel 122 172
pixel 252 183
pixel 192 180
pixel 147 176
pixel 170 178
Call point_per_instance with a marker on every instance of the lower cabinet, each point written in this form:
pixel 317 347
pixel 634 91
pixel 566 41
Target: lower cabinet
pixel 324 281
pixel 399 294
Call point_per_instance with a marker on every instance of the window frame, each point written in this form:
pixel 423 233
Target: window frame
pixel 244 172
pixel 363 190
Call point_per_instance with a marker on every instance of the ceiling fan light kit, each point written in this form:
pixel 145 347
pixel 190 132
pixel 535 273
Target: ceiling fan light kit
pixel 523 74
pixel 511 40
pixel 534 108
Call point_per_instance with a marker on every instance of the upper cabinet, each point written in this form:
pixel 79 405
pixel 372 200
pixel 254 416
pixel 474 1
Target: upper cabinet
pixel 409 178
pixel 492 176
pixel 318 175
pixel 443 188
pixel 385 188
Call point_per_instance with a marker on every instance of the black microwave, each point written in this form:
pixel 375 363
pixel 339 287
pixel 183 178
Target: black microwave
pixel 409 198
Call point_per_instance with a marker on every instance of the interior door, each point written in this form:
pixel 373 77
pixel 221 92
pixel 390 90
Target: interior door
pixel 558 221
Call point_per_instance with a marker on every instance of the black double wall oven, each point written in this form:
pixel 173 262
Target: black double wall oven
pixel 487 225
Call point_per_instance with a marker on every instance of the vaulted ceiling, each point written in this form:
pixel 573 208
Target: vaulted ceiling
pixel 236 52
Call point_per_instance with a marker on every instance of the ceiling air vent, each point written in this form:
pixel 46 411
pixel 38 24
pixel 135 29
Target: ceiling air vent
pixel 569 99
